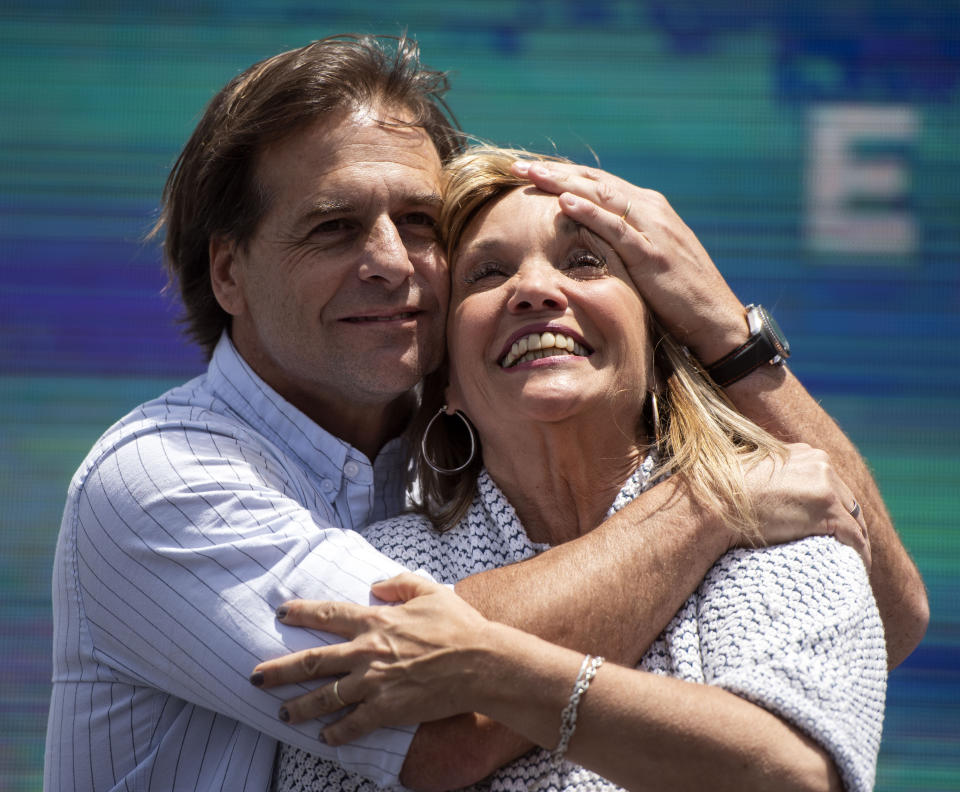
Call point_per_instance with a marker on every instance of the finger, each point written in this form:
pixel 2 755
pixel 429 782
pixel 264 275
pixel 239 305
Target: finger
pixel 354 725
pixel 596 186
pixel 403 587
pixel 342 618
pixel 314 663
pixel 324 700
pixel 851 528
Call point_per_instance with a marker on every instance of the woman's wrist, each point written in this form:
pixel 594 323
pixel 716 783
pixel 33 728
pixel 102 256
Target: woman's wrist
pixel 525 683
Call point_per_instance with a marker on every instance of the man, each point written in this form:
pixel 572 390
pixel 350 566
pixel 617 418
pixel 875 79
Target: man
pixel 300 228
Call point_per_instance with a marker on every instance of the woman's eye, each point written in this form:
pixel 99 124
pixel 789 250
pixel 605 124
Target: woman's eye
pixel 486 270
pixel 586 263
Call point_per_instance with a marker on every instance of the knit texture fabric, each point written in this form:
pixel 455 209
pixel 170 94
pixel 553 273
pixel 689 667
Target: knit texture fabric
pixel 793 628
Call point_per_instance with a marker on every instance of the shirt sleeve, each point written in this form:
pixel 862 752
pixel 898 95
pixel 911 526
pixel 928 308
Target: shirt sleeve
pixel 795 629
pixel 184 544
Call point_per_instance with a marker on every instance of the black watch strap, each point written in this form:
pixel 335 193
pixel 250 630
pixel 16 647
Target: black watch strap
pixel 766 345
pixel 743 360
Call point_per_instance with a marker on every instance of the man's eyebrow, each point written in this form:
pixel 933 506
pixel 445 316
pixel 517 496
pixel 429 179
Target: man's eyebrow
pixel 321 209
pixel 432 199
pixel 332 206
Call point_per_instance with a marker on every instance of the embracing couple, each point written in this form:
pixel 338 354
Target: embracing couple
pixel 604 461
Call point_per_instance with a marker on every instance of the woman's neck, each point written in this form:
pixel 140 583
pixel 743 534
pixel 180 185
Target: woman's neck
pixel 562 477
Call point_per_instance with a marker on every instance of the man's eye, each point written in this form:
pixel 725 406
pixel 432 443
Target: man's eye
pixel 336 226
pixel 418 219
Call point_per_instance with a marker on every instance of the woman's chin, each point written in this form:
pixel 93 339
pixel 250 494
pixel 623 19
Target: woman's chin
pixel 551 405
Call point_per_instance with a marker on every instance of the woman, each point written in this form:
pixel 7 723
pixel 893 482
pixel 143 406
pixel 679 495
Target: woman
pixel 579 403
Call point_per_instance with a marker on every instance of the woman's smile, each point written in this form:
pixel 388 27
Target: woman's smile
pixel 528 346
pixel 546 302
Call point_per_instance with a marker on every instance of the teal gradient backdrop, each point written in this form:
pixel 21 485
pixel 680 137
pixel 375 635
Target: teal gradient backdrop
pixel 733 114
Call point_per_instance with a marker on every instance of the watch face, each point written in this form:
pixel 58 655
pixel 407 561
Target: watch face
pixel 777 338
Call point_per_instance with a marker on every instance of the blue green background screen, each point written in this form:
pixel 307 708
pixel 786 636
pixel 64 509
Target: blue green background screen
pixel 813 147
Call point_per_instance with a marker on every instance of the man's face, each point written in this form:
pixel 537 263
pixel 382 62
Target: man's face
pixel 339 298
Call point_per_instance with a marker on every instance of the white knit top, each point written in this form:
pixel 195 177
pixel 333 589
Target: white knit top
pixel 793 628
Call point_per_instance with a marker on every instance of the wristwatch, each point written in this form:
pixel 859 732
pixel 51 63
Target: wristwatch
pixel 766 345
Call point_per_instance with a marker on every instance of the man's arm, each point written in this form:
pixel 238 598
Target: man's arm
pixel 776 400
pixel 183 541
pixel 693 302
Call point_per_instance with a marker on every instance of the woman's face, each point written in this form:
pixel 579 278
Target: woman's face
pixel 544 320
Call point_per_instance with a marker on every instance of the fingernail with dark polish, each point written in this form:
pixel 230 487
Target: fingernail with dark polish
pixel 256 678
pixel 284 715
pixel 282 612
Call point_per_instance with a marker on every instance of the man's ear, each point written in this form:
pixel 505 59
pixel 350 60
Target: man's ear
pixel 224 280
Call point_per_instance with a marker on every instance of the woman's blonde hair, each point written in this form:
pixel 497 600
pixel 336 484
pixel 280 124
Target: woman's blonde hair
pixel 699 436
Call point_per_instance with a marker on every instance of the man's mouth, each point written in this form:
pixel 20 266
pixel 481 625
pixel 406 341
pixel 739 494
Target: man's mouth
pixel 395 317
pixel 540 345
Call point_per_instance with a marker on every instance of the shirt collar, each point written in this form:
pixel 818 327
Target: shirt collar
pixel 268 413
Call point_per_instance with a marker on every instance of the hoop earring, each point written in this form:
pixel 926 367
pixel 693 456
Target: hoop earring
pixel 423 444
pixel 655 416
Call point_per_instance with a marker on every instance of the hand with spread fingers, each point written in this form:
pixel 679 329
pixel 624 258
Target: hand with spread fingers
pixel 397 667
pixel 671 269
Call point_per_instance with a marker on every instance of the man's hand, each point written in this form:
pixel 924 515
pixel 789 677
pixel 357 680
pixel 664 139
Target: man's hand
pixel 802 495
pixel 671 269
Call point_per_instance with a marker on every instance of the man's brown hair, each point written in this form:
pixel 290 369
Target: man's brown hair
pixel 213 190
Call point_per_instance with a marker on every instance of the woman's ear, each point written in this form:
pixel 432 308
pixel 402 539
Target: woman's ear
pixel 224 280
pixel 451 397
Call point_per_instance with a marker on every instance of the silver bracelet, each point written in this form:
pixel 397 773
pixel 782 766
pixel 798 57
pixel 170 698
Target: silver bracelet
pixel 568 718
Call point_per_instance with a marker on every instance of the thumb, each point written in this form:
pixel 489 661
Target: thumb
pixel 403 587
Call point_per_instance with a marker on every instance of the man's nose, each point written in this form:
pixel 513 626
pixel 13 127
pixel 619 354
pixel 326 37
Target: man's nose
pixel 385 259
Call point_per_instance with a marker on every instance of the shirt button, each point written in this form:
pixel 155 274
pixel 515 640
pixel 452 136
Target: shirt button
pixel 326 485
pixel 351 469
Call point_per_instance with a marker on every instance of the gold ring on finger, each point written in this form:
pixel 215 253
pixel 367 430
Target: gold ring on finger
pixel 336 694
pixel 626 211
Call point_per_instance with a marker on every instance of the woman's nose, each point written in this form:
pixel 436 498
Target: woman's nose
pixel 538 288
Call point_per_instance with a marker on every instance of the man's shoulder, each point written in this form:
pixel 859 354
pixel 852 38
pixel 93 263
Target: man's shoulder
pixel 188 421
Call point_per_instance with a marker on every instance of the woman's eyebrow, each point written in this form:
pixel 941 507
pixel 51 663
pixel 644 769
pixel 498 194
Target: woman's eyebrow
pixel 483 246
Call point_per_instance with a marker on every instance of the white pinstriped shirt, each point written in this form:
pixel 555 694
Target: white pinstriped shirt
pixel 188 523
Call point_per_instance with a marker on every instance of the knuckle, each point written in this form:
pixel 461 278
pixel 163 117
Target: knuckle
pixel 658 198
pixel 323 611
pixel 605 193
pixel 309 662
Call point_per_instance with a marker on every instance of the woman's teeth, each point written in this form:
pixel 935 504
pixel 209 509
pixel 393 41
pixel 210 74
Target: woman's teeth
pixel 538 345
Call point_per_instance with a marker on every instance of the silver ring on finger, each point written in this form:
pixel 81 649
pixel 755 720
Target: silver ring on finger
pixel 337 696
pixel 855 510
pixel 626 211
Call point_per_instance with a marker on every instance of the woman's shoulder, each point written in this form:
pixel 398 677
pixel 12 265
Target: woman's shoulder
pixel 795 629
pixel 800 598
pixel 814 567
